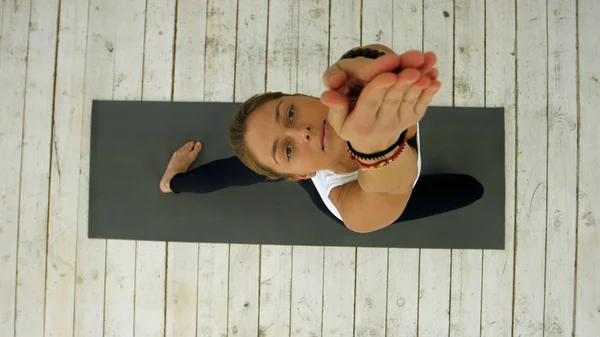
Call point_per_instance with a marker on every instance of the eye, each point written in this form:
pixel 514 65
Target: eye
pixel 288 151
pixel 291 114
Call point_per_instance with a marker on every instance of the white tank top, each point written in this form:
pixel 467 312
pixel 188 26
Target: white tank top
pixel 327 180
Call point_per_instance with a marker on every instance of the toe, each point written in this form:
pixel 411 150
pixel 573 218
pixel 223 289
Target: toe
pixel 197 146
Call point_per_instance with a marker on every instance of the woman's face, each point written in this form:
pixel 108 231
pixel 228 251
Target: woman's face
pixel 291 135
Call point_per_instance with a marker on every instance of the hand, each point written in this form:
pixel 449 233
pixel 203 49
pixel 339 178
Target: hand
pixel 389 104
pixel 349 76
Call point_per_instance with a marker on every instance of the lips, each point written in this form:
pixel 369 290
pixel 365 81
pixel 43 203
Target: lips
pixel 324 134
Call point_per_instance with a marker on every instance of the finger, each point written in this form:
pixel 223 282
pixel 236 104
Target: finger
pixel 370 100
pixel 395 96
pixel 429 62
pixel 411 97
pixel 338 105
pixel 412 59
pixel 433 74
pixel 361 69
pixel 426 97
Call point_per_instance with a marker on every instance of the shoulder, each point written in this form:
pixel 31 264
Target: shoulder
pixel 365 212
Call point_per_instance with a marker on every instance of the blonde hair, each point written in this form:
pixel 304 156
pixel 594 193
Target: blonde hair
pixel 237 129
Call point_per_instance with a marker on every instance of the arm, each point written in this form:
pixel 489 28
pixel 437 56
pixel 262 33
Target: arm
pixel 383 110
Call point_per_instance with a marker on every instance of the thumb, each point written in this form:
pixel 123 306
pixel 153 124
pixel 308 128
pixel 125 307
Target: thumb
pixel 338 109
pixel 334 77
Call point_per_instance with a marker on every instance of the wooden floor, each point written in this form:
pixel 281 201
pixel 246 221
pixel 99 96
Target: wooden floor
pixel 538 59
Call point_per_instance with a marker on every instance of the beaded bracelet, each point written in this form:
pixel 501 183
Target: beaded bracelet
pixel 364 52
pixel 376 155
pixel 384 162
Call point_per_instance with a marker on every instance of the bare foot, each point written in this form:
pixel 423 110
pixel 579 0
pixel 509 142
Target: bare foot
pixel 179 163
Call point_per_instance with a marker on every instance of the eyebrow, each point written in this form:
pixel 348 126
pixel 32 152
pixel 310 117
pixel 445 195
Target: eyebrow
pixel 275 143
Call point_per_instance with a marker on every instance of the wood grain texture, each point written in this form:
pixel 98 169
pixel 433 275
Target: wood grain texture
pixel 562 169
pixel 64 179
pixel 587 301
pixel 500 71
pixel 13 73
pixel 532 146
pixel 35 169
pixel 91 254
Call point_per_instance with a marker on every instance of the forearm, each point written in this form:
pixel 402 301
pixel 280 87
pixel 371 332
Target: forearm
pixel 396 178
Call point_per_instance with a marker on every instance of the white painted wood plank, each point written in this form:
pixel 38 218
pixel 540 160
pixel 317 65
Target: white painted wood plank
pixel 158 59
pixel 587 310
pixel 407 25
pixel 339 269
pixel 438 18
pixel 469 82
pixel 150 286
pixel 371 291
pixel 149 312
pixel 182 289
pixel 251 49
pixel 403 292
pixel 403 264
pixel 307 264
pixel 562 169
pixel 189 55
pixel 275 293
pixel 372 263
pixel 531 165
pixel 121 254
pixel 307 291
pixel 219 76
pixel 276 261
pixel 497 287
pixel 64 182
pixel 35 169
pixel 213 274
pixel 13 56
pixel 182 271
pixel 435 264
pixel 91 254
pixel 339 291
pixel 243 290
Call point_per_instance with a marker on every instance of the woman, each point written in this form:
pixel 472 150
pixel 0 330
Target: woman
pixel 358 144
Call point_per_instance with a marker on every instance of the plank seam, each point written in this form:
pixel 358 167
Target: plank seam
pixel 547 162
pixel 235 56
pixel 324 250
pixel 355 259
pixel 267 60
pixel 174 50
pixel 260 247
pixel 204 68
pixel 166 265
pixel 291 289
pixel 516 202
pixel 53 149
pixel 577 167
pixel 485 105
pixel 18 231
pixel 453 104
pixel 387 278
pixel 76 245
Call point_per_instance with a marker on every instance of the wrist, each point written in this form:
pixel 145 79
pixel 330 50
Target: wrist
pixel 369 152
pixel 364 149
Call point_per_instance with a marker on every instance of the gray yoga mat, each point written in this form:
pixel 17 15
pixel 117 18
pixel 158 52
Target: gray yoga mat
pixel 132 141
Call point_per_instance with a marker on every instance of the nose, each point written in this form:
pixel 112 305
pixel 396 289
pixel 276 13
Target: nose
pixel 302 134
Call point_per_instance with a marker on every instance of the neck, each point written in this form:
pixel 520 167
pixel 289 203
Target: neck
pixel 344 164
